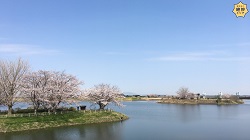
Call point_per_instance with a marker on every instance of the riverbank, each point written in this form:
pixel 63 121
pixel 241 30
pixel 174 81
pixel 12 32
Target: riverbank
pixel 201 101
pixel 12 124
pixel 140 99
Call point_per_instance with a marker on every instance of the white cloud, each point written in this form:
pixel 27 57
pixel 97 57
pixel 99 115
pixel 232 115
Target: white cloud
pixel 25 49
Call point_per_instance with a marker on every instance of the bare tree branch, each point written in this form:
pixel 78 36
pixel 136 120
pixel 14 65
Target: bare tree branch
pixel 11 74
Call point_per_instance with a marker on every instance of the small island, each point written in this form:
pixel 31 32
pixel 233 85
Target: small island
pixel 31 121
pixel 185 97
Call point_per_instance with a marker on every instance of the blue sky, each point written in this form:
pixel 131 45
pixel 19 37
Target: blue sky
pixel 142 46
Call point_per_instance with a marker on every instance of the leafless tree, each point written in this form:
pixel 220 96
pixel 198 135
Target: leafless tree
pixel 50 88
pixel 183 92
pixel 103 94
pixel 11 74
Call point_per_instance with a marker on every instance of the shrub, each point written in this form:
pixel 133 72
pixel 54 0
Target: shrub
pixel 71 109
pixel 24 111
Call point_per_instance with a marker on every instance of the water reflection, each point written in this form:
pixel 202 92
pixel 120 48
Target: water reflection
pixel 188 113
pixel 106 131
pixel 227 112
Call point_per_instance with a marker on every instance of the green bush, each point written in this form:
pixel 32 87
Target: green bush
pixel 24 111
pixel 32 110
pixel 3 112
pixel 72 109
pixel 19 111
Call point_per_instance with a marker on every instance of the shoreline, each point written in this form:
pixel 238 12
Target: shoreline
pixel 15 124
pixel 201 101
pixel 140 99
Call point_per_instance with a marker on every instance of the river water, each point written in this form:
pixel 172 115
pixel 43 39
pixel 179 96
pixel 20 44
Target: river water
pixel 153 121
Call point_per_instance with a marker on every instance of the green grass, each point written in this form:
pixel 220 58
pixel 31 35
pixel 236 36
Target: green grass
pixel 11 124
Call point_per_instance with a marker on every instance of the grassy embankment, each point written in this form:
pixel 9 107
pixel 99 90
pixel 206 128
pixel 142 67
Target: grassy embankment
pixel 202 101
pixel 11 124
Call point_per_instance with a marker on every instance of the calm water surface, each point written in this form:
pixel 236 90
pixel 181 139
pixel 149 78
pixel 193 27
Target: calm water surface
pixel 153 121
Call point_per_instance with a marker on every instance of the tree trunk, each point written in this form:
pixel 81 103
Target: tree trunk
pixel 35 110
pixel 102 106
pixel 54 110
pixel 9 110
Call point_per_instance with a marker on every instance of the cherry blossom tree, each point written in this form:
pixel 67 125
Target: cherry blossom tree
pixel 11 75
pixel 50 88
pixel 183 93
pixel 62 88
pixel 1 95
pixel 226 96
pixel 35 86
pixel 103 94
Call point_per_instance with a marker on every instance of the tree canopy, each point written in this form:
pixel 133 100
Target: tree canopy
pixel 103 94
